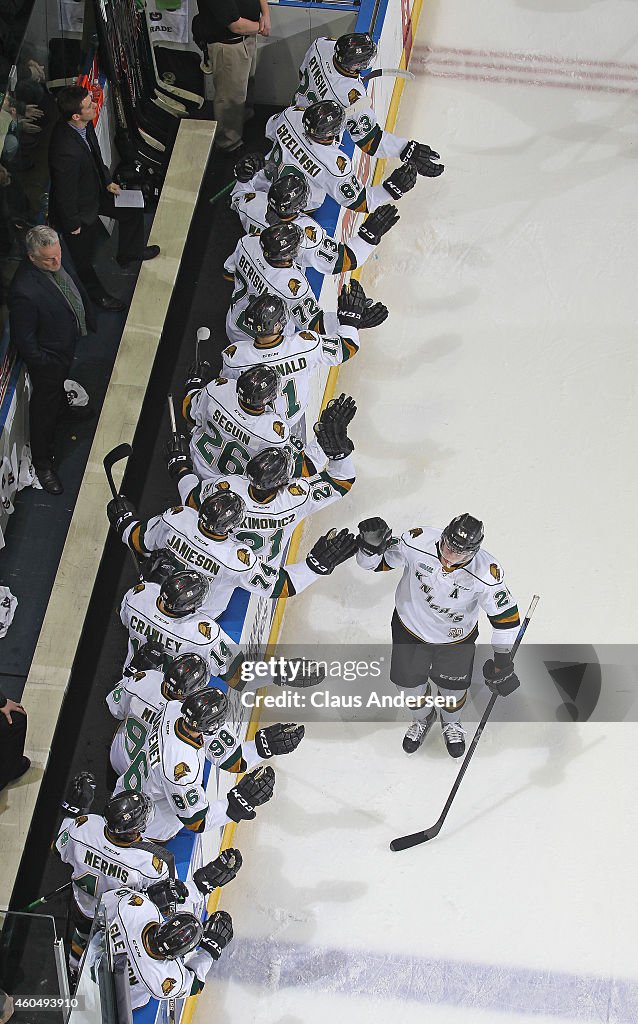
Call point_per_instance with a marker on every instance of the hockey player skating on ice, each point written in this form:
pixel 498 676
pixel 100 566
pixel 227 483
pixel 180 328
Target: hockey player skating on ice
pixel 294 354
pixel 167 959
pixel 203 540
pixel 106 852
pixel 447 579
pixel 286 200
pixel 306 141
pixel 275 500
pixel 176 616
pixel 170 767
pixel 331 70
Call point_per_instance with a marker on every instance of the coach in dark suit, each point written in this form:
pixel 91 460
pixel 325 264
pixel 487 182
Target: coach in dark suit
pixel 82 189
pixel 49 311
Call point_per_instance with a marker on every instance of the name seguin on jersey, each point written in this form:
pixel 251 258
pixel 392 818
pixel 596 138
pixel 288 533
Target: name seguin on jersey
pixel 229 427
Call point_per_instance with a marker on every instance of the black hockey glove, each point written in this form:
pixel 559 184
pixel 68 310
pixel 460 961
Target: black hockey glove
pixel 401 180
pixel 80 794
pixel 178 456
pixel 218 872
pixel 218 932
pixel 332 428
pixel 351 304
pixel 330 551
pixel 167 893
pixel 121 513
pixel 278 739
pixel 310 673
pixel 149 656
pixel 373 315
pixel 500 676
pixel 378 223
pixel 199 375
pixel 424 158
pixel 374 536
pixel 248 165
pixel 159 566
pixel 256 788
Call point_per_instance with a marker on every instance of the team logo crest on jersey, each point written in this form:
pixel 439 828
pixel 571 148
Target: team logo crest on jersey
pixel 138 676
pixel 64 838
pixel 243 556
pixel 180 771
pixel 496 572
pixel 278 427
pixel 294 285
pixel 295 490
pixel 139 588
pixel 158 864
pixel 176 511
pixel 136 901
pixel 220 380
pixel 311 233
pixel 306 335
pixel 249 196
pixel 168 985
pixel 341 164
pixel 223 485
pixel 81 819
pixel 354 95
pixel 204 628
pixel 415 532
pixel 230 351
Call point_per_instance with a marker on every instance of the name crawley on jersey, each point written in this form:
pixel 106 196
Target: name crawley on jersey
pixel 447 578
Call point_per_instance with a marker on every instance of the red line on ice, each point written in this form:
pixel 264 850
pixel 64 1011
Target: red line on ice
pixel 547 84
pixel 605 77
pixel 513 55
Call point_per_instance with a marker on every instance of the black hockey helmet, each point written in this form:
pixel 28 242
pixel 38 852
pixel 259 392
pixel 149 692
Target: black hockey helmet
pixel 221 513
pixel 205 711
pixel 185 675
pixel 258 387
pixel 462 538
pixel 280 243
pixel 265 315
pixel 270 468
pixel 127 814
pixel 176 936
pixel 183 592
pixel 289 195
pixel 323 121
pixel 354 52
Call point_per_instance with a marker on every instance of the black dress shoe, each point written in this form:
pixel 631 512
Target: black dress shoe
pixel 23 767
pixel 110 303
pixel 148 253
pixel 50 481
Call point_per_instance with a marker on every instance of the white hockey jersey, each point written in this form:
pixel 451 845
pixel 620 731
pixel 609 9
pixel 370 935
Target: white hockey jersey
pixel 129 915
pixel 99 863
pixel 227 563
pixel 328 168
pixel 441 607
pixel 135 701
pixel 318 249
pixel 295 357
pixel 191 634
pixel 252 275
pixel 319 79
pixel 268 526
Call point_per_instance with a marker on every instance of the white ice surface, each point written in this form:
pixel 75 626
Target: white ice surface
pixel 503 384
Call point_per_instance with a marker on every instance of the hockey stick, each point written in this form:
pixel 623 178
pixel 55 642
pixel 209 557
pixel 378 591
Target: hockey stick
pixel 405 842
pixel 121 451
pixel 223 191
pixel 388 73
pixel 44 899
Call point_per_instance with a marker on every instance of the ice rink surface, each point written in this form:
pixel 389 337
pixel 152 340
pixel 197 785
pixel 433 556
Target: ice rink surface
pixel 502 384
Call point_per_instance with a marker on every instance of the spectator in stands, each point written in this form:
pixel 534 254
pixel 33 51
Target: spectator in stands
pixel 49 311
pixel 230 28
pixel 13 731
pixel 82 189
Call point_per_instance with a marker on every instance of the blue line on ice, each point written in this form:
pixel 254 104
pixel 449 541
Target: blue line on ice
pixel 276 965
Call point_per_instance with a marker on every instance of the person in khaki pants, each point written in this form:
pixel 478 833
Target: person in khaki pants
pixel 230 28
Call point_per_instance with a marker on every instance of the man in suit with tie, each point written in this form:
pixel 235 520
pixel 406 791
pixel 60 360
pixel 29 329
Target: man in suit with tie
pixel 49 311
pixel 82 189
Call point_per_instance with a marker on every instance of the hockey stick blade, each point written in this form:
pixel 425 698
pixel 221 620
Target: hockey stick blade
pixel 406 842
pixel 389 73
pixel 121 451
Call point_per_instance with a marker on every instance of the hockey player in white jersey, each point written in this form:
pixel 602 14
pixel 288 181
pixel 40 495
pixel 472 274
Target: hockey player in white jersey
pixel 170 767
pixel 137 700
pixel 285 202
pixel 106 852
pixel 202 541
pixel 276 501
pixel 447 579
pixel 294 354
pixel 306 141
pixel 179 616
pixel 331 70
pixel 167 959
